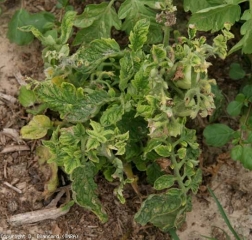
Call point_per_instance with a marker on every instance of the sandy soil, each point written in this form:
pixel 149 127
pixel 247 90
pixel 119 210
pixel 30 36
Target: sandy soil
pixel 231 183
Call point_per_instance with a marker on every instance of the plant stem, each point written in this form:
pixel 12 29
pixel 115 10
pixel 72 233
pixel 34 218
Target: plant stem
pixel 128 171
pixel 166 36
pixel 176 172
pixel 173 234
pixel 111 3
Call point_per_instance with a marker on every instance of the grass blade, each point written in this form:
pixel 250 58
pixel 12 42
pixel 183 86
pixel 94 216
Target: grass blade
pixel 223 214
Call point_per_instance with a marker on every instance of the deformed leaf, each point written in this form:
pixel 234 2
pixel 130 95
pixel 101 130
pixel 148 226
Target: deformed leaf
pixel 66 26
pixel 138 36
pixel 112 115
pixel 37 127
pixel 84 190
pixel 71 103
pixel 196 181
pixel 134 10
pixel 217 134
pixel 89 58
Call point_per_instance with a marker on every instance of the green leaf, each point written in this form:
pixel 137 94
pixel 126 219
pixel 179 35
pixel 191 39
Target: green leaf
pixel 247 91
pixel 97 21
pixel 165 181
pixel 71 159
pixel 84 190
pixel 246 159
pixel 21 18
pixel 99 133
pixel 134 10
pixel 217 134
pixel 244 44
pixel 66 26
pixel 194 6
pixel 71 103
pixel 112 115
pixel 90 57
pixel 37 127
pixel 214 18
pixel 138 36
pixel 164 211
pixel 181 153
pixel 127 70
pixel 26 97
pixel 234 108
pixel 163 151
pixel 141 82
pixel 92 143
pixel 153 172
pixel 196 181
pixel 236 72
pixel 236 152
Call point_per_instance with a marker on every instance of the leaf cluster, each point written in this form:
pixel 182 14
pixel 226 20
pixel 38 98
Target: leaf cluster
pixel 118 109
pixel 213 15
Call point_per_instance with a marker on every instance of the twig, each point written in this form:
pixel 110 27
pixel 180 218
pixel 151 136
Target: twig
pixel 37 216
pixel 12 187
pixel 20 78
pixel 13 133
pixel 8 97
pixel 15 148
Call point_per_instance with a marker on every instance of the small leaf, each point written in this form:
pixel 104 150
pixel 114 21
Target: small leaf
pixel 246 159
pixel 37 127
pixel 181 153
pixel 217 134
pixel 247 91
pixel 112 115
pixel 26 97
pixel 234 108
pixel 92 143
pixel 236 152
pixel 163 182
pixel 236 72
pixel 163 151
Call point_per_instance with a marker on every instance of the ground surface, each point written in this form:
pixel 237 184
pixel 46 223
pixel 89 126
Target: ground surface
pixel 19 168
